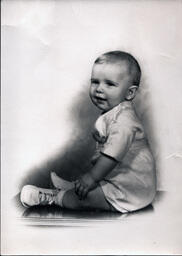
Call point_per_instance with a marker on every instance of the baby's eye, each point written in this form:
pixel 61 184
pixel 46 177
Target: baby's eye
pixel 94 81
pixel 110 83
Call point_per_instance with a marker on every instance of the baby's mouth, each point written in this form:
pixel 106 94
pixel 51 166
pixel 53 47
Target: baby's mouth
pixel 98 98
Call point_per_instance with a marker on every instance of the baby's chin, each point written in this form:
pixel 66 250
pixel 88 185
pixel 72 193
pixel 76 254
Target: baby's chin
pixel 104 109
pixel 101 106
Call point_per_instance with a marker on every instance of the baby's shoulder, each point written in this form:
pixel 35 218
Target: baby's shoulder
pixel 124 113
pixel 121 115
pixel 127 117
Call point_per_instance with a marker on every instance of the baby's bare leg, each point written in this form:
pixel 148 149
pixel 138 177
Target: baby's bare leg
pixel 60 183
pixel 94 200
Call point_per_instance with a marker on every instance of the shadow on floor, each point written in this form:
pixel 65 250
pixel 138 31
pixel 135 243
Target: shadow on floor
pixel 56 216
pixel 55 212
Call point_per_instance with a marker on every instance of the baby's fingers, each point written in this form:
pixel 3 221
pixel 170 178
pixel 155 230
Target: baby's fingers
pixel 80 189
pixel 77 186
pixel 81 192
pixel 84 193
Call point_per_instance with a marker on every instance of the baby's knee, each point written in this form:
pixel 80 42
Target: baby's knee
pixel 71 200
pixel 143 202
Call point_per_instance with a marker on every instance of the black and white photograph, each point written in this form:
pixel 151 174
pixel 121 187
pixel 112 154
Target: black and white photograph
pixel 91 127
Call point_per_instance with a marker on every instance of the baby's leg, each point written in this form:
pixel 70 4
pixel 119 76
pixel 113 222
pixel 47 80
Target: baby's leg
pixel 94 200
pixel 60 183
pixel 32 195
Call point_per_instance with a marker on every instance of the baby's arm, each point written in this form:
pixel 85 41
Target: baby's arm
pixel 89 181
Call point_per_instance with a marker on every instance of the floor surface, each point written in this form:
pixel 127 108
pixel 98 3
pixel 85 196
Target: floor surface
pixel 54 215
pixel 155 230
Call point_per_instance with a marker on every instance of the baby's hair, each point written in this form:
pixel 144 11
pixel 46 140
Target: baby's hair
pixel 119 56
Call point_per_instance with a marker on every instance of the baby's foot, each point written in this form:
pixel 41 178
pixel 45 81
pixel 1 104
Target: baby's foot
pixel 61 183
pixel 32 195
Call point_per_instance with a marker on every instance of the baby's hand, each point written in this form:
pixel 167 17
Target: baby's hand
pixel 80 189
pixel 97 137
pixel 84 185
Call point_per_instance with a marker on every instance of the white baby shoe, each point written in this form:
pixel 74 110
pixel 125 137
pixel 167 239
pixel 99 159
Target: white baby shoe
pixel 32 195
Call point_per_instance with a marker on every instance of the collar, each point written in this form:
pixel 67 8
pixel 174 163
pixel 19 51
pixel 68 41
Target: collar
pixel 123 105
pixel 126 104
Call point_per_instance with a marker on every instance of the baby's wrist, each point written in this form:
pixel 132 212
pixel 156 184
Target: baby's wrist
pixel 95 179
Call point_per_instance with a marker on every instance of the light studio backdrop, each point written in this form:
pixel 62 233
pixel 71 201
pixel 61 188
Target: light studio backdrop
pixel 48 48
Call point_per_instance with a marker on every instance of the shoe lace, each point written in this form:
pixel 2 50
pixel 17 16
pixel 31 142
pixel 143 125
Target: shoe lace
pixel 47 197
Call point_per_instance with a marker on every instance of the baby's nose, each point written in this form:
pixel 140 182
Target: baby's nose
pixel 99 88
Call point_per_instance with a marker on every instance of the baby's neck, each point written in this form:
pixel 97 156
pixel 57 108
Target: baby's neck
pixel 123 102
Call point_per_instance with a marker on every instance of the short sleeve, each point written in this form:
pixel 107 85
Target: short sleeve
pixel 120 137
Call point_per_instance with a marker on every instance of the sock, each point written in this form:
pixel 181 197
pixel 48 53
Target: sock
pixel 59 198
pixel 60 183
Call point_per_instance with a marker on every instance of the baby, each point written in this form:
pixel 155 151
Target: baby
pixel 123 174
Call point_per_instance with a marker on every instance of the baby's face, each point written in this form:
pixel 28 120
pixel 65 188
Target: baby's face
pixel 109 85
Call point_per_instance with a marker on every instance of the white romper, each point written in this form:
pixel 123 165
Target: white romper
pixel 131 185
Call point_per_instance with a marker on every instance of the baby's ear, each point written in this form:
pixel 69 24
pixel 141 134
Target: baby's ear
pixel 131 92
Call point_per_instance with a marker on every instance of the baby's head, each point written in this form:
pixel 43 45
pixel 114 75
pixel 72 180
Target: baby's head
pixel 115 78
